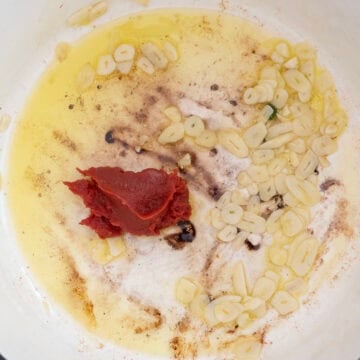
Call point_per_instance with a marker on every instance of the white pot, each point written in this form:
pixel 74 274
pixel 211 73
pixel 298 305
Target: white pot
pixel 327 329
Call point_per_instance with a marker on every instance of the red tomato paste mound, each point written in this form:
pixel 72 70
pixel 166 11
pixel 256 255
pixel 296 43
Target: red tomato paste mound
pixel 139 203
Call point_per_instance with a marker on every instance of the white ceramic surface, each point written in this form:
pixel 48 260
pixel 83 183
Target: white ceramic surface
pixel 30 326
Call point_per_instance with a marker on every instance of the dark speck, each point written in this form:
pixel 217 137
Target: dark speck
pixel 215 192
pixel 214 87
pixel 316 171
pixel 71 106
pixel 98 107
pixel 109 137
pixel 213 152
pixel 99 87
pixel 233 102
pixel 251 246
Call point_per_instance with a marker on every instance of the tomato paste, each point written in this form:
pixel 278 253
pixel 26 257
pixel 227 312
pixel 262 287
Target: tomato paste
pixel 139 203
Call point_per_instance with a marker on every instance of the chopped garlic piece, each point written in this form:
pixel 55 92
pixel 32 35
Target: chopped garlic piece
pixel 185 161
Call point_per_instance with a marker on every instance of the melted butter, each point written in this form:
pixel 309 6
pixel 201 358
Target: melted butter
pixel 131 300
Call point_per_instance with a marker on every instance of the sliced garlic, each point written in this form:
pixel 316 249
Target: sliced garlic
pixel 88 14
pixel 305 51
pixel 292 63
pixel 251 96
pixel 277 58
pixel 283 49
pixel 106 65
pixel 280 98
pixel 227 311
pixel 284 303
pixel 304 125
pixel 291 223
pixel 243 320
pixel 278 256
pixel 124 52
pixel 308 69
pixel 304 256
pixel 170 51
pixel 155 55
pixel 259 157
pixel 194 126
pixel 277 141
pixel 227 234
pixel 296 287
pixel 185 290
pixel 267 190
pixel 145 65
pixel 304 191
pixel 224 200
pixel 264 288
pixel 125 67
pixel 173 113
pixel 255 135
pixel 307 165
pixel 297 145
pixel 207 139
pixel 272 223
pixel 244 179
pixel 231 214
pixel 265 92
pixel 297 81
pixel 252 223
pixel 172 134
pixel 324 145
pixel 233 142
pixel 239 279
pixel 258 173
pixel 279 129
pixel 216 219
pixel 273 276
pixel 255 306
pixel 85 77
pixel 280 184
